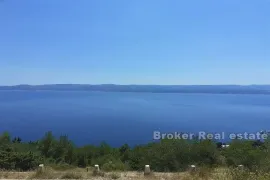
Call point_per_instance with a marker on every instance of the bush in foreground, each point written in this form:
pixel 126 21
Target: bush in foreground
pixel 164 156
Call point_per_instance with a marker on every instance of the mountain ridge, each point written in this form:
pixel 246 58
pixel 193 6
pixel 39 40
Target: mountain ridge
pixel 220 89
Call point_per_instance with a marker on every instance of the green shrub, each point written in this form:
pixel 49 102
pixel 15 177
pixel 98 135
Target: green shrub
pixel 243 152
pixel 113 166
pixel 62 167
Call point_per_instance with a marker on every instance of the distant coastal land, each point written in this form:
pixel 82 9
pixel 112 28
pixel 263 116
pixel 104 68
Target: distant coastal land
pixel 213 89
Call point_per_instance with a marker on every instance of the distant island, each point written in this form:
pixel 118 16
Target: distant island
pixel 213 89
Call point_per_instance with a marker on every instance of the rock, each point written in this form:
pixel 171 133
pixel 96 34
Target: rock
pixel 41 168
pixel 192 168
pixel 97 168
pixel 147 170
pixel 240 167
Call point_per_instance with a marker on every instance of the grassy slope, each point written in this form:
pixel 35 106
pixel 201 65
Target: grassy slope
pixel 202 174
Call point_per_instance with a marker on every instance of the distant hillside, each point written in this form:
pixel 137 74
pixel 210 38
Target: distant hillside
pixel 220 89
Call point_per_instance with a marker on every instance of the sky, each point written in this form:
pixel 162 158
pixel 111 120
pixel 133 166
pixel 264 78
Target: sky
pixel 134 42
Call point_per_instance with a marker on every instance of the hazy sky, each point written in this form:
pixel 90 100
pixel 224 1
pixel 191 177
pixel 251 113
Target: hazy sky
pixel 135 41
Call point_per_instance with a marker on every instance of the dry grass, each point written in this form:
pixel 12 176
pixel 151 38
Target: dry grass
pixel 72 175
pixel 78 173
pixel 14 175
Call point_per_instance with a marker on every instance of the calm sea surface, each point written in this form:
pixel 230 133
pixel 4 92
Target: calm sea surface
pixel 117 118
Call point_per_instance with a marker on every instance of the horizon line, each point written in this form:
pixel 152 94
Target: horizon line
pixel 137 84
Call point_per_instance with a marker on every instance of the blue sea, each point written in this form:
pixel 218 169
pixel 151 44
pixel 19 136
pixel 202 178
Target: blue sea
pixel 119 117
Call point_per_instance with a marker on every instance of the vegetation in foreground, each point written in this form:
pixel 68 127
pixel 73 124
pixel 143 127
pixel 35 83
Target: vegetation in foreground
pixel 80 173
pixel 165 156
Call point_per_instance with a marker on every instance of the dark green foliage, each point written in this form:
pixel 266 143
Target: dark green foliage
pixel 64 151
pixel 166 155
pixel 47 145
pixel 124 152
pixel 205 153
pixel 174 155
pixel 17 140
pixel 6 158
pixel 245 153
pixel 14 157
pixel 26 161
pixel 5 138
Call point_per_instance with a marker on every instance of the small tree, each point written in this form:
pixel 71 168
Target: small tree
pixel 47 144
